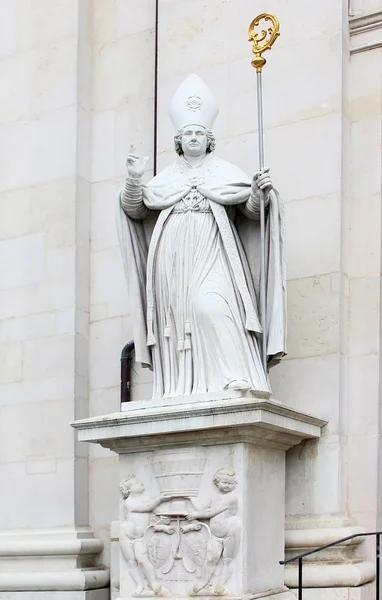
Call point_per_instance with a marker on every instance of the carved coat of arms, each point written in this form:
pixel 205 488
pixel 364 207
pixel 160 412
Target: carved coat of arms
pixel 174 537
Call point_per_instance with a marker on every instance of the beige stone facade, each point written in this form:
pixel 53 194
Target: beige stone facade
pixel 77 81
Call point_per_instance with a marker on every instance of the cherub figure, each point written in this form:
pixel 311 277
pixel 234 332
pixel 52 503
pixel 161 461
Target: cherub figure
pixel 225 528
pixel 136 512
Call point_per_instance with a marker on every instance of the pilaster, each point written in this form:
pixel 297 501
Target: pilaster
pixel 45 540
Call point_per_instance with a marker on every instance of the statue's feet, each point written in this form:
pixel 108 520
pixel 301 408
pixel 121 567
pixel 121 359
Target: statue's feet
pixel 220 590
pixel 197 588
pixel 139 591
pixel 160 590
pixel 239 384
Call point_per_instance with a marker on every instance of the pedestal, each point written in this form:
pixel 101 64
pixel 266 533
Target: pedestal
pixel 203 485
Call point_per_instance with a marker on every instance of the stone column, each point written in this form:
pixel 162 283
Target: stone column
pixel 47 548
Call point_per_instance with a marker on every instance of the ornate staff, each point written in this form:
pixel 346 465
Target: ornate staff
pixel 262 40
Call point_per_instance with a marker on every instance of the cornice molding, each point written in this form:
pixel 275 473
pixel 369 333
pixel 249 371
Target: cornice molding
pixel 365 32
pixel 365 22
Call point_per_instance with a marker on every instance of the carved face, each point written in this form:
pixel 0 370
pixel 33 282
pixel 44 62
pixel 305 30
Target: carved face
pixel 194 140
pixel 136 487
pixel 225 484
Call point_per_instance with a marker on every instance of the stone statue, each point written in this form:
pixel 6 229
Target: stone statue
pixel 225 527
pixel 137 510
pixel 193 287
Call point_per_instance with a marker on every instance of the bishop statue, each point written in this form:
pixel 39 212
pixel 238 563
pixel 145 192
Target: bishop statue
pixel 194 285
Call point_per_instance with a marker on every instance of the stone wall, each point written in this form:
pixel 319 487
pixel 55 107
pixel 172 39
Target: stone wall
pixel 44 274
pixel 45 157
pixel 319 111
pixel 79 89
pixel 123 88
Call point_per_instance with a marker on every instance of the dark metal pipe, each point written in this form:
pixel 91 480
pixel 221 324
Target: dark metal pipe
pixel 378 564
pixel 126 360
pixel 156 88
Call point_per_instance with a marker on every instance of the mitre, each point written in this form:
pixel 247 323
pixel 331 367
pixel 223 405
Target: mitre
pixel 193 104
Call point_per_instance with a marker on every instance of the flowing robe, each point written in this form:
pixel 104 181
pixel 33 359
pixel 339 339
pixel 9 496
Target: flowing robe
pixel 193 291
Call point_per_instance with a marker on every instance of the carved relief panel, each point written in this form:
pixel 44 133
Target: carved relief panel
pixel 180 542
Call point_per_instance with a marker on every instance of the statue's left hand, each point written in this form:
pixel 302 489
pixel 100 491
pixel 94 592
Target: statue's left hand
pixel 262 180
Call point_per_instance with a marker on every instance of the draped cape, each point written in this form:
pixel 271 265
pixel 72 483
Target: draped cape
pixel 226 187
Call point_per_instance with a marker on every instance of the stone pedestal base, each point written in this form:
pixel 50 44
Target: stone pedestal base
pixel 203 486
pixel 238 545
pixel 363 592
pixel 103 594
pixel 284 594
pixel 338 566
pixel 52 563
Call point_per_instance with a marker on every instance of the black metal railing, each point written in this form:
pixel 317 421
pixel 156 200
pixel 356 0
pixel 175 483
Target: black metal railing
pixel 300 558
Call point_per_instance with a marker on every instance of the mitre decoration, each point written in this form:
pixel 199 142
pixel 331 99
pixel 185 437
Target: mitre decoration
pixel 193 104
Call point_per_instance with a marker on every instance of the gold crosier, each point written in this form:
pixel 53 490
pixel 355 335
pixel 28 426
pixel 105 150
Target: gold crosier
pixel 262 40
